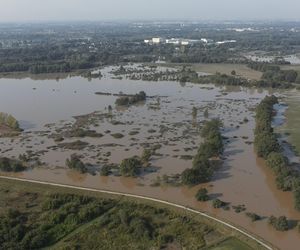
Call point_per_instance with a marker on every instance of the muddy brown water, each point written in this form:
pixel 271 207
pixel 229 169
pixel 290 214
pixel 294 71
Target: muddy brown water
pixel 242 179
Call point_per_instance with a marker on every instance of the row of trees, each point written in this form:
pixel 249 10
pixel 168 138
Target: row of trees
pixel 273 73
pixel 212 146
pixel 267 147
pixel 10 165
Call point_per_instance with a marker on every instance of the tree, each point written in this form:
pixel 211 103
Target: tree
pixel 130 167
pixel 75 163
pixel 280 223
pixel 202 195
pixel 233 72
pixel 276 161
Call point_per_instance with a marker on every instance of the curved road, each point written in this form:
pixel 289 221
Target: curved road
pixel 143 198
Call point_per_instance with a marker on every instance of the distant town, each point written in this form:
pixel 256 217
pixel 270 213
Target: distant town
pixel 184 42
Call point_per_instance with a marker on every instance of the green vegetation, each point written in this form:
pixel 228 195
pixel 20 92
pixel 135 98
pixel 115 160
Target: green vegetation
pixel 130 100
pixel 239 208
pixel 253 216
pixel 218 203
pixel 146 155
pixel 273 73
pixel 202 195
pixel 9 165
pixel 117 135
pixel 267 146
pixel 231 244
pixel 291 126
pixel 75 163
pixel 35 216
pixel 211 147
pixel 280 223
pixel 130 167
pixel 76 145
pixel 9 121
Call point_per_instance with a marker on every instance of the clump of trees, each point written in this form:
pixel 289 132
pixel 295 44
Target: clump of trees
pixel 217 203
pixel 212 146
pixel 280 224
pixel 253 216
pixel 273 73
pixel 130 167
pixel 202 195
pixel 267 147
pixel 130 100
pixel 75 163
pixel 9 121
pixel 10 165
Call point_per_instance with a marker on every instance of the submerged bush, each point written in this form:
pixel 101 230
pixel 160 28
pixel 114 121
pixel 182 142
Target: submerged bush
pixel 130 167
pixel 75 163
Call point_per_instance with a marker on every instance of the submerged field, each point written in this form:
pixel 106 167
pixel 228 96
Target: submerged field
pixel 76 115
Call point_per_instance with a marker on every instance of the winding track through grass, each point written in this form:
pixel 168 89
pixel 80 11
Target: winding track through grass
pixel 144 198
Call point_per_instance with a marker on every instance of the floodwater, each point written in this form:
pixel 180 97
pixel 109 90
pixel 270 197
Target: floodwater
pixel 47 107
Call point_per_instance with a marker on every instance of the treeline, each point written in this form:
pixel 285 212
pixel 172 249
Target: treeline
pixel 267 147
pixel 10 165
pixel 212 146
pixel 189 75
pixel 274 73
pixel 130 100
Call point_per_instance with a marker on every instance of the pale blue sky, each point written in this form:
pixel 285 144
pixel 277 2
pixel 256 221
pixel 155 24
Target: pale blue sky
pixel 44 10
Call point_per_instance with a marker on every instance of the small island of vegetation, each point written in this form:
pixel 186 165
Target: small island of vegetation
pixel 128 100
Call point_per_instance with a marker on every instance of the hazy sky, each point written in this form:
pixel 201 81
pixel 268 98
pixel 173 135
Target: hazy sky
pixel 43 10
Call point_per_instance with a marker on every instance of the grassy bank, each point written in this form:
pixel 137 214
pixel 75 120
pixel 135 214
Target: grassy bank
pixel 291 127
pixel 62 218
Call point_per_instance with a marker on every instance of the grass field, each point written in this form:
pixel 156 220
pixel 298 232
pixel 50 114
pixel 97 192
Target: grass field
pixel 291 126
pixel 231 244
pixel 39 216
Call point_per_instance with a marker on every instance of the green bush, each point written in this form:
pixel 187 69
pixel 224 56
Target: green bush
pixel 202 195
pixel 130 167
pixel 9 165
pixel 280 223
pixel 75 163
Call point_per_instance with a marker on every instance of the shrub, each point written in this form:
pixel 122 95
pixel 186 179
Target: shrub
pixel 130 167
pixel 202 195
pixel 9 165
pixel 280 223
pixel 218 203
pixel 75 163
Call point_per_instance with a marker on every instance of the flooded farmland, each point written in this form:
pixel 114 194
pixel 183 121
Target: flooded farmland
pixel 49 109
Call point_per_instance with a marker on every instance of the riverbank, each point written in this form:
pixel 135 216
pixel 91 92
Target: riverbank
pixel 213 241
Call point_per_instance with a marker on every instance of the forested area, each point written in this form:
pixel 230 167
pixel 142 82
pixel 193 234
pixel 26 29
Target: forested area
pixel 67 47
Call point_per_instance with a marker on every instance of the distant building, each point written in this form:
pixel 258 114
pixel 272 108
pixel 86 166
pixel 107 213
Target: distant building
pixel 157 40
pixel 173 41
pixel 226 41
